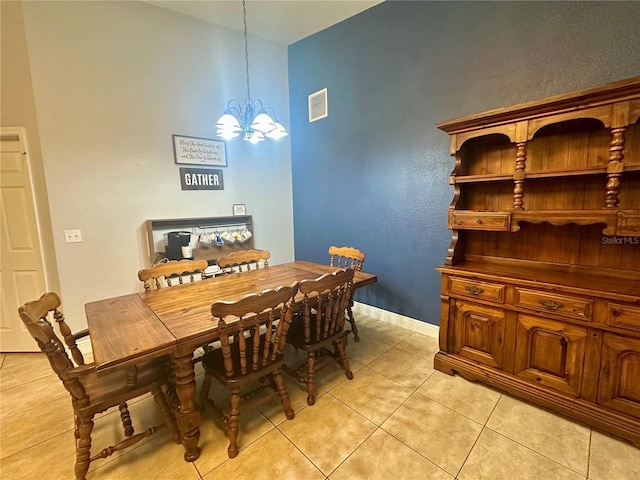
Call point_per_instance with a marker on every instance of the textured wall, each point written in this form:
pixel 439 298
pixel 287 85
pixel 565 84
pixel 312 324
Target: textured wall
pixel 111 82
pixel 17 109
pixel 374 173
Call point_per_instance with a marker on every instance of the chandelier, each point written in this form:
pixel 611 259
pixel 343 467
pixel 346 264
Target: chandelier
pixel 256 122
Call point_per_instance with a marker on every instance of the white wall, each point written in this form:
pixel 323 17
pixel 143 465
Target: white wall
pixel 17 109
pixel 112 81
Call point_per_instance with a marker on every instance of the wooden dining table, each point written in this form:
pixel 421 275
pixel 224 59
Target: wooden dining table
pixel 175 321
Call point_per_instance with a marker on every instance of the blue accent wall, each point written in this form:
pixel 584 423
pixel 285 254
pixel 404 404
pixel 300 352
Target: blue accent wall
pixel 374 173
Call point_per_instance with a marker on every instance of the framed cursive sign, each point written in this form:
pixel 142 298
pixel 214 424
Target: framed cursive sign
pixel 199 151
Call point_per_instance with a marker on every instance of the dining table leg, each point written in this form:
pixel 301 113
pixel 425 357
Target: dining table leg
pixel 188 415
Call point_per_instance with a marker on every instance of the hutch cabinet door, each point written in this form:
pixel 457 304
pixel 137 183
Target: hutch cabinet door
pixel 479 333
pixel 619 386
pixel 550 353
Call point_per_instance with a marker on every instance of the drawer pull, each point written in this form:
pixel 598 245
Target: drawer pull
pixel 474 290
pixel 550 304
pixel 478 221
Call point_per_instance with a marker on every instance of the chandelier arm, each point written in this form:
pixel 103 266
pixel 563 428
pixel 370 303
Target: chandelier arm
pixel 271 112
pixel 234 104
pixel 235 111
pixel 262 108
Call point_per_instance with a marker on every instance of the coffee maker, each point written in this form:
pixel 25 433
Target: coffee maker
pixel 175 242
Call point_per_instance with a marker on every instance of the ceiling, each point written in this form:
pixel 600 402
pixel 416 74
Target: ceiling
pixel 285 21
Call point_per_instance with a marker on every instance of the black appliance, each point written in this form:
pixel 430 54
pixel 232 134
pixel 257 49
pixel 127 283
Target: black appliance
pixel 175 242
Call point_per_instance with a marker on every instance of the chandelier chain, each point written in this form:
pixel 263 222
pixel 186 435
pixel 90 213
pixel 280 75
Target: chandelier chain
pixel 253 121
pixel 246 47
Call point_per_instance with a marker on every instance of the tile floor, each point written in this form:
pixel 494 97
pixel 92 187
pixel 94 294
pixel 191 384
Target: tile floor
pixel 397 419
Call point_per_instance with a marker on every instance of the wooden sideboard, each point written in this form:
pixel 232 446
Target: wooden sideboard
pixel 540 291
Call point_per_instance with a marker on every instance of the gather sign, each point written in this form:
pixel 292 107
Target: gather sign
pixel 201 179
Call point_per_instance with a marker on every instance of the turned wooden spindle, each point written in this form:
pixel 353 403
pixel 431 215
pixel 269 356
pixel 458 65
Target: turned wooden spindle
pixel 518 176
pixel 69 338
pixel 614 168
pixel 126 420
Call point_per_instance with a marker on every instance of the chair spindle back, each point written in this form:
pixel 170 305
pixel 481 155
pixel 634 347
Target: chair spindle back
pixel 346 257
pixel 244 260
pixel 170 270
pixel 250 321
pixel 326 298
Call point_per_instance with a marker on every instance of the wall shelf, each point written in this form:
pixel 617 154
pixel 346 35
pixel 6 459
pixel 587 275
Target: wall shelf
pixel 157 230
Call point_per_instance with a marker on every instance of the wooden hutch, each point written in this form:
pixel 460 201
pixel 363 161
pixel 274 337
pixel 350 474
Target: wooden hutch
pixel 540 293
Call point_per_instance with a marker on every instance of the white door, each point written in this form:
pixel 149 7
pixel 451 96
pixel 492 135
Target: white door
pixel 21 267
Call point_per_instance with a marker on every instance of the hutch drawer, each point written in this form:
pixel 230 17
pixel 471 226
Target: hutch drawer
pixel 565 305
pixel 475 289
pixel 624 316
pixel 628 224
pixel 494 221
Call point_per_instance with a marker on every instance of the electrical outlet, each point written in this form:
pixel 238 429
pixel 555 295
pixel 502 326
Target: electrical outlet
pixel 72 236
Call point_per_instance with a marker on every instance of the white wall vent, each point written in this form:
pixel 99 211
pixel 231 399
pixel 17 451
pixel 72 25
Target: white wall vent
pixel 318 107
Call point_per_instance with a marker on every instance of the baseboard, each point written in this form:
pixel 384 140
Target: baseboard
pixel 397 319
pixel 84 345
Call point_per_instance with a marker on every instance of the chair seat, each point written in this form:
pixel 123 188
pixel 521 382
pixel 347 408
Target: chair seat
pixel 296 336
pixel 213 363
pixel 103 390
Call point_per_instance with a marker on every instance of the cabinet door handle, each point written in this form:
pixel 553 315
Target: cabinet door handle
pixel 550 304
pixel 474 290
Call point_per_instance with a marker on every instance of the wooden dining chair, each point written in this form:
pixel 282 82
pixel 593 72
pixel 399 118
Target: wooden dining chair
pixel 323 317
pixel 252 334
pixel 244 260
pixel 92 393
pixel 172 271
pixel 348 257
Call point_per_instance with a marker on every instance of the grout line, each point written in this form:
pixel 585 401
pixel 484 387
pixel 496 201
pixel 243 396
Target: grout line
pixel 537 452
pixel 589 451
pixel 302 453
pixel 413 449
pixel 354 451
pixel 401 441
pixel 470 450
pixel 452 409
pixel 39 442
pixel 493 409
pixel 379 427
